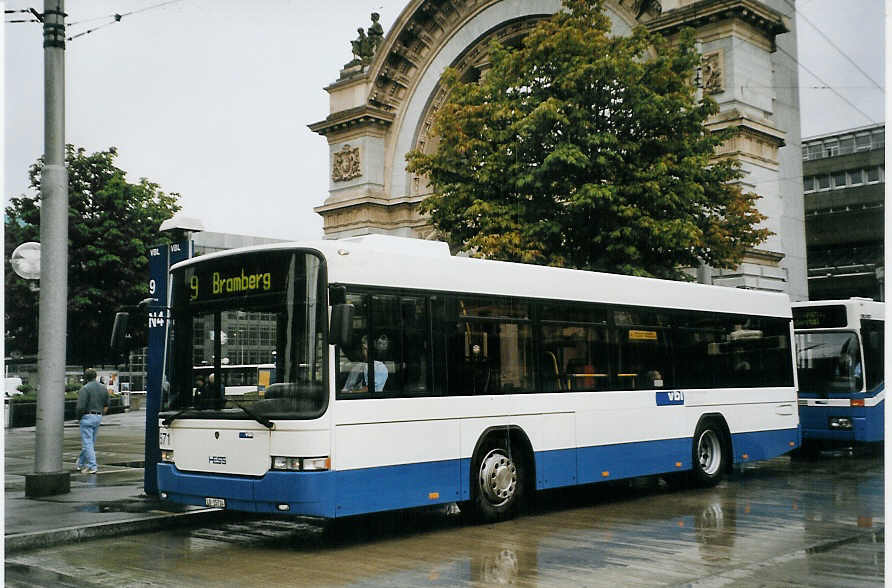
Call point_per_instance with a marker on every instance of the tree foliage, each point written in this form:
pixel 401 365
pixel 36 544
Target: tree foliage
pixel 111 225
pixel 584 150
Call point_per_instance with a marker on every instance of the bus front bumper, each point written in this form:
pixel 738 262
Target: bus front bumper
pixel 842 424
pixel 297 493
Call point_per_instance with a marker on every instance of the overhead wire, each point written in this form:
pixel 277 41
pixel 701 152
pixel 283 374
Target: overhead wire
pixel 95 18
pixel 37 16
pixel 830 87
pixel 116 18
pixel 835 46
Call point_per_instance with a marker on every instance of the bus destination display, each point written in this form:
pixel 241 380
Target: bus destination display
pixel 820 317
pixel 234 280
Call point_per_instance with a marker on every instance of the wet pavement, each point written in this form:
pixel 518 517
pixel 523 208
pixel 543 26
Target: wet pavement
pixel 108 503
pixel 774 523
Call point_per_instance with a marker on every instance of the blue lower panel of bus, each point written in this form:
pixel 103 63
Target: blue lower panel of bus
pixel 350 492
pixel 868 423
pixel 764 444
pixel 402 486
pixel 628 460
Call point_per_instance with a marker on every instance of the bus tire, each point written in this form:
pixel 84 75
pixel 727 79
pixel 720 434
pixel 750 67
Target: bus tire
pixel 499 479
pixel 709 454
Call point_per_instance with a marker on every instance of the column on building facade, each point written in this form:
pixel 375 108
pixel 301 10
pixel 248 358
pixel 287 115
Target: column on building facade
pixel 739 44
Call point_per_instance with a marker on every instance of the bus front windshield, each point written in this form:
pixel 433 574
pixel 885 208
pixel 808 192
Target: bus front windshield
pixel 829 362
pixel 245 338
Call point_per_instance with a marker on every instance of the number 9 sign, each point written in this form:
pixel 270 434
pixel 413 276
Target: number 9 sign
pixel 152 286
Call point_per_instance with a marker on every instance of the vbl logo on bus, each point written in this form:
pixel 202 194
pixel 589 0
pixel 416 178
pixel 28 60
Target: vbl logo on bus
pixel 670 398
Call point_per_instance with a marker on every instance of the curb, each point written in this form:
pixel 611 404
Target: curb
pixel 39 539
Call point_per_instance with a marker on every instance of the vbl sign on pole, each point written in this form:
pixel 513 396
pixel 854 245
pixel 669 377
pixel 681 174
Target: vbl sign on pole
pixel 161 257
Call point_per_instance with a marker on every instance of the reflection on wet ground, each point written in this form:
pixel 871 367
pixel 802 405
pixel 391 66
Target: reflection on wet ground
pixel 774 523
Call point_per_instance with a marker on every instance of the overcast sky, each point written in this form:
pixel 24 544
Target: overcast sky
pixel 212 98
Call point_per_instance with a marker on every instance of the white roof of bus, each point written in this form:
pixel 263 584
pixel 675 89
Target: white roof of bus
pixel 399 262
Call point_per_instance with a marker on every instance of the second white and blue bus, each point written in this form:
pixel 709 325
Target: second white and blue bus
pixel 406 377
pixel 842 393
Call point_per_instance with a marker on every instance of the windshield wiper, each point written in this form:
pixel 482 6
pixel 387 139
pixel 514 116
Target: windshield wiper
pixel 257 417
pixel 166 422
pixel 801 350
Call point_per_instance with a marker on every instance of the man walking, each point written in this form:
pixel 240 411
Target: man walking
pixel 92 403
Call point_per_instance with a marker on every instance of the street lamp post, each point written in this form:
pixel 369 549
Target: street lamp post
pixel 48 478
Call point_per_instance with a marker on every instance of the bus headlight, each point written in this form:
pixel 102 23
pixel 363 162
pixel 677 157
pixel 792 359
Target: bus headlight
pixel 286 463
pixel 167 455
pixel 840 423
pixel 295 464
pixel 317 463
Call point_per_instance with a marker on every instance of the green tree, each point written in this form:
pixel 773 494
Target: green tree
pixel 584 150
pixel 111 224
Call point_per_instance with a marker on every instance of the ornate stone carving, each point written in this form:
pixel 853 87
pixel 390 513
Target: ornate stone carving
pixel 365 45
pixel 712 78
pixel 345 165
pixel 652 7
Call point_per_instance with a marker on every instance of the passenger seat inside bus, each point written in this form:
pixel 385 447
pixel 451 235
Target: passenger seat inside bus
pixel 551 373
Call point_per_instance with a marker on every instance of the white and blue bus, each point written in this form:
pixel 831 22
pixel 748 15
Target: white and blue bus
pixel 405 377
pixel 840 368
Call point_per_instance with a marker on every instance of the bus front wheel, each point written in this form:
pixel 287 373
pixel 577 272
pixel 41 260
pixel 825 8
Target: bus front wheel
pixel 709 454
pixel 499 475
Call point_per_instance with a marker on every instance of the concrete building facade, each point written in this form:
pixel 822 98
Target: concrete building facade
pixel 844 184
pixel 381 110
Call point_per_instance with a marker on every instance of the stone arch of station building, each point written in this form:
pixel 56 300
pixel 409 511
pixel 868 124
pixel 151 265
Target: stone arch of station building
pixel 430 35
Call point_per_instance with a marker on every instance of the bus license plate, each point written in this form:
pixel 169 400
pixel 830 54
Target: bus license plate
pixel 215 502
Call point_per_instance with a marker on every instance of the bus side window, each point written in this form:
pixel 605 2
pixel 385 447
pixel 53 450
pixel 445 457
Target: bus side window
pixel 399 325
pixel 488 346
pixel 872 335
pixel 579 360
pixel 351 361
pixel 644 361
pixel 416 347
pixel 696 349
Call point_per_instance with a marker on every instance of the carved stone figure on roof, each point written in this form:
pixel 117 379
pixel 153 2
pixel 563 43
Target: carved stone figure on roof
pixel 366 44
pixel 360 48
pixel 375 33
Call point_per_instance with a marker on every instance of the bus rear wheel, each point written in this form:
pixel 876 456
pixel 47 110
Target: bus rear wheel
pixel 499 481
pixel 709 456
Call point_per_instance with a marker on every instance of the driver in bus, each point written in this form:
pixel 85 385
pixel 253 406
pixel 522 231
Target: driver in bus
pixel 850 364
pixel 207 394
pixel 357 380
pixel 201 391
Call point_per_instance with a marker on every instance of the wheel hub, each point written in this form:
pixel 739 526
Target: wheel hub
pixel 709 452
pixel 498 477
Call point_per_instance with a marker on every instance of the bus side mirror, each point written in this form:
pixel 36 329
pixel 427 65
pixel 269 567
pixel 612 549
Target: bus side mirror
pixel 119 334
pixel 341 330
